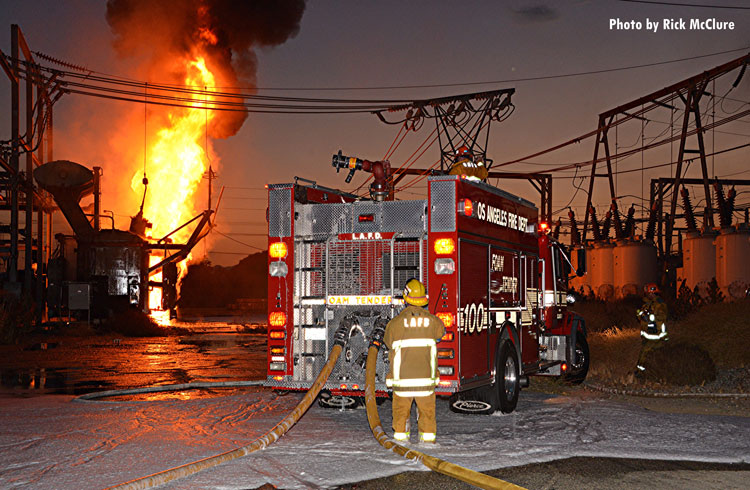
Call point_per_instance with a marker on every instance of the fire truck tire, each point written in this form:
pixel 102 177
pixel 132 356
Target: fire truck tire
pixel 509 377
pixel 579 367
pixel 341 402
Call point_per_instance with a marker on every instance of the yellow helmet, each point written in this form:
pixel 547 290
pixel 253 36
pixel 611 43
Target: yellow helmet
pixel 415 293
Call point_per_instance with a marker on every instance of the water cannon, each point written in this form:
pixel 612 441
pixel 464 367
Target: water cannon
pixel 380 170
pixel 352 163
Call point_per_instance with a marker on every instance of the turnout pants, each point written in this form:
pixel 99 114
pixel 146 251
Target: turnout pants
pixel 425 416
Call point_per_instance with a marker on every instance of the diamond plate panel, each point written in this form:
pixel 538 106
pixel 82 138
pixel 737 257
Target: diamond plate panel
pixel 279 212
pixel 443 205
pixel 404 216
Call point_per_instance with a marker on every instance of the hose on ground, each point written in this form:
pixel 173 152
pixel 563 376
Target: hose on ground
pixel 435 464
pixel 266 439
pixel 196 385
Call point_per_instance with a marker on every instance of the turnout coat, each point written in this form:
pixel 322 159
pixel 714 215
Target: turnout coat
pixel 411 337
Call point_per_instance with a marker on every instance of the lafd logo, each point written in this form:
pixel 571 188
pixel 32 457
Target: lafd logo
pixel 370 235
pixel 367 236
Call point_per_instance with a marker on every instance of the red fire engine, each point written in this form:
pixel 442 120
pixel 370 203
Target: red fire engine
pixel 494 276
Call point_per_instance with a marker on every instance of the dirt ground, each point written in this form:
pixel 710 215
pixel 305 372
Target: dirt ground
pixel 603 473
pixel 579 473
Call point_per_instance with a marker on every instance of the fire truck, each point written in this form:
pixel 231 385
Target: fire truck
pixel 494 275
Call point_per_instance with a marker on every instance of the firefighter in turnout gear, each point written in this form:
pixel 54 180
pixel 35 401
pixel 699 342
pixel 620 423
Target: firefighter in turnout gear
pixel 653 317
pixel 411 338
pixel 465 164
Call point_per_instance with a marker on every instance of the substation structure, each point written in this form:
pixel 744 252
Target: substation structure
pixel 621 266
pixel 96 269
pixel 26 245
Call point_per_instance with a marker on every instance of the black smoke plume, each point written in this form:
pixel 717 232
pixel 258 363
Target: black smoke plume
pixel 225 31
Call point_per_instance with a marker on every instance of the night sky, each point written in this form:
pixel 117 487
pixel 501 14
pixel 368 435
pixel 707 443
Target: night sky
pixel 396 43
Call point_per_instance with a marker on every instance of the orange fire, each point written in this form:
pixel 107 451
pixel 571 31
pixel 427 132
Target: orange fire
pixel 178 156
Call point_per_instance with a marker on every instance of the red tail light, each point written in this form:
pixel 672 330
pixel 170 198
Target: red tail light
pixel 447 319
pixel 277 319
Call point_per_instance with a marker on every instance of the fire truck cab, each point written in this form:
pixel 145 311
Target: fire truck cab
pixel 493 274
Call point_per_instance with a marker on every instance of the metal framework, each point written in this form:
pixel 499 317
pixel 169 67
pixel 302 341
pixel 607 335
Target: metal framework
pixel 19 194
pixel 689 93
pixel 460 120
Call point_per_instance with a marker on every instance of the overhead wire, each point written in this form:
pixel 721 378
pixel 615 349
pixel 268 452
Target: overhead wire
pixel 456 84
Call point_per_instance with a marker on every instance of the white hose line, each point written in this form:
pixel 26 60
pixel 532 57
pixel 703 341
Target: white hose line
pixel 94 397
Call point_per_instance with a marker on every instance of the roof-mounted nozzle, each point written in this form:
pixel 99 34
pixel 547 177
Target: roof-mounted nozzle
pixel 380 170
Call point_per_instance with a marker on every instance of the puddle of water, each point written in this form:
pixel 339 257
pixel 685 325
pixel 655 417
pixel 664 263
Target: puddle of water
pixel 210 351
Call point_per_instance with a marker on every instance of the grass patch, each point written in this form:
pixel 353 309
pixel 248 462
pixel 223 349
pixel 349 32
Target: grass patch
pixel 602 316
pixel 681 364
pixel 720 331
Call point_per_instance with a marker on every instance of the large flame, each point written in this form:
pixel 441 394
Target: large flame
pixel 178 156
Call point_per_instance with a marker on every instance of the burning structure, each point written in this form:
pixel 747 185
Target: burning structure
pixel 116 265
pixel 189 47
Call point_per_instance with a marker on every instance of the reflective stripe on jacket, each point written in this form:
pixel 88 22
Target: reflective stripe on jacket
pixel 411 337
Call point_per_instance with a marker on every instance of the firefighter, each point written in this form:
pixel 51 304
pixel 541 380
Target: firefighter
pixel 653 317
pixel 465 164
pixel 411 338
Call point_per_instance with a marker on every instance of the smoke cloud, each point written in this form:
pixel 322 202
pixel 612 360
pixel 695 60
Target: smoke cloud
pixel 226 32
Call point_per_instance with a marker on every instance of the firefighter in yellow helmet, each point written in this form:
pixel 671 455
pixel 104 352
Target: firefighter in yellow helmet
pixel 411 337
pixel 653 318
pixel 465 164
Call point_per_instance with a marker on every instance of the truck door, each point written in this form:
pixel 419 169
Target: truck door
pixel 530 315
pixel 473 292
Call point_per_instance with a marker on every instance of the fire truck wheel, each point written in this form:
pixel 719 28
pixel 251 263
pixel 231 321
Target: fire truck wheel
pixel 509 384
pixel 478 401
pixel 341 402
pixel 579 367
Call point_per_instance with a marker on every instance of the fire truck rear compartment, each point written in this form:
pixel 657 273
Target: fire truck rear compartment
pixel 351 260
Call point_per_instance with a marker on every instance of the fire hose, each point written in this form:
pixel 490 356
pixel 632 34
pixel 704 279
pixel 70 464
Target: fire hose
pixel 266 439
pixel 435 464
pixel 464 474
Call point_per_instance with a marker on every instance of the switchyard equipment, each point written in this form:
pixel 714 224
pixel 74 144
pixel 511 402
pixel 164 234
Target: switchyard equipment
pixel 114 263
pixel 494 276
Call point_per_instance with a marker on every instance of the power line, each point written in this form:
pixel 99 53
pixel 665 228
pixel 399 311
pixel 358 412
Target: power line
pixel 680 4
pixel 173 87
pixel 235 240
pixel 507 80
